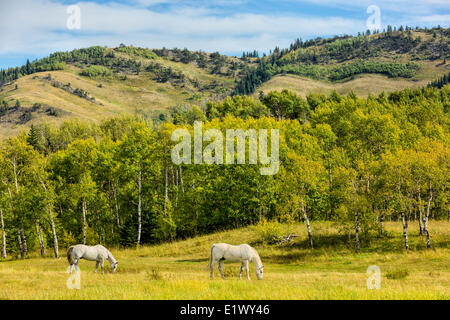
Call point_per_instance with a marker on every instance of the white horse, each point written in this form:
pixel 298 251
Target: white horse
pixel 242 253
pixel 96 253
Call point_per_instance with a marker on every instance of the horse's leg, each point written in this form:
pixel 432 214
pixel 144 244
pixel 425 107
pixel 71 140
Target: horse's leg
pixel 71 268
pixel 76 265
pixel 240 271
pixel 103 262
pixel 213 263
pixel 220 268
pixel 96 266
pixel 246 269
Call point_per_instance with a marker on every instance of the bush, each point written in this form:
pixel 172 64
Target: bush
pixel 268 231
pixel 155 274
pixel 397 274
pixel 390 69
pixel 140 52
pixel 97 71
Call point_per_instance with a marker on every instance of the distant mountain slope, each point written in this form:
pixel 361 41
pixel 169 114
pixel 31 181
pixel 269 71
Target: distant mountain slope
pixel 98 82
pixel 404 53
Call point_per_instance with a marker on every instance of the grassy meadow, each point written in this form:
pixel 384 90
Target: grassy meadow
pixel 362 85
pixel 178 270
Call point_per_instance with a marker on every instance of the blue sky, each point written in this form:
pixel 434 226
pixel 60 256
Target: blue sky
pixel 31 29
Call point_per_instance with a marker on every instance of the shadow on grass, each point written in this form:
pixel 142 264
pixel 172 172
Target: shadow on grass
pixel 194 260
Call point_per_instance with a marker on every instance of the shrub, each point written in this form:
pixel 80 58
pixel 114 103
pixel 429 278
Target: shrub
pixel 155 274
pixel 397 274
pixel 97 71
pixel 268 231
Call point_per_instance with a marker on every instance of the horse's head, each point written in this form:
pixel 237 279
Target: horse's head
pixel 114 266
pixel 259 272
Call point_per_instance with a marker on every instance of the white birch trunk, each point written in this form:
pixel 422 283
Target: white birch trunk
pixel 19 239
pixel 308 227
pixel 24 240
pixel 420 216
pixel 40 238
pixel 52 225
pixel 182 186
pixel 139 204
pixel 83 207
pixel 116 206
pixel 425 222
pixel 55 237
pixel 2 223
pixel 358 245
pixel 166 194
pixel 405 230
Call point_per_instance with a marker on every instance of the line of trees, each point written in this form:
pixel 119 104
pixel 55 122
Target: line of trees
pixel 353 161
pixel 442 81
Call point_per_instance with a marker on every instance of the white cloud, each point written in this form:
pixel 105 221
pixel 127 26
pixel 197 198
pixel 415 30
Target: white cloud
pixel 39 26
pixel 32 26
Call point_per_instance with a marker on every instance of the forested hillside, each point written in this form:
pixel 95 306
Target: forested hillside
pixel 394 53
pixel 353 161
pixel 97 82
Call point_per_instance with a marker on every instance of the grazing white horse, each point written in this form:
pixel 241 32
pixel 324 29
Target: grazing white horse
pixel 96 253
pixel 242 253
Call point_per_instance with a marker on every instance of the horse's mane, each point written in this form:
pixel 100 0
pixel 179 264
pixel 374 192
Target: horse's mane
pixel 111 257
pixel 256 257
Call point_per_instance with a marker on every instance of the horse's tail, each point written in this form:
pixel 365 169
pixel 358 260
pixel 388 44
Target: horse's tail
pixel 210 257
pixel 69 255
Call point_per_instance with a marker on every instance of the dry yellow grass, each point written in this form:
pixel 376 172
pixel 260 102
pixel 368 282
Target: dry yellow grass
pixel 362 85
pixel 178 270
pixel 135 95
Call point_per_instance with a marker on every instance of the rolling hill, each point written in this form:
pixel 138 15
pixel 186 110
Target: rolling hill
pixel 97 82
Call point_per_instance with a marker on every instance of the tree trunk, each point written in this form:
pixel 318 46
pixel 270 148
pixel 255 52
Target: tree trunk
pixel 166 194
pixel 182 186
pixel 175 185
pixel 52 224
pixel 139 204
pixel 420 216
pixel 358 246
pixel 116 206
pixel 83 205
pixel 308 226
pixel 20 232
pixel 405 230
pixel 55 237
pixel 330 199
pixel 40 238
pixel 19 239
pixel 24 240
pixel 381 224
pixel 425 222
pixel 2 223
pixel 420 224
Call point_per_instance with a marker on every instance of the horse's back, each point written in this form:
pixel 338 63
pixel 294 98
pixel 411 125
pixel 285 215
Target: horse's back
pixel 90 252
pixel 232 253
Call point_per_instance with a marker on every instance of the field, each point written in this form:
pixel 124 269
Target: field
pixel 178 270
pixel 362 85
